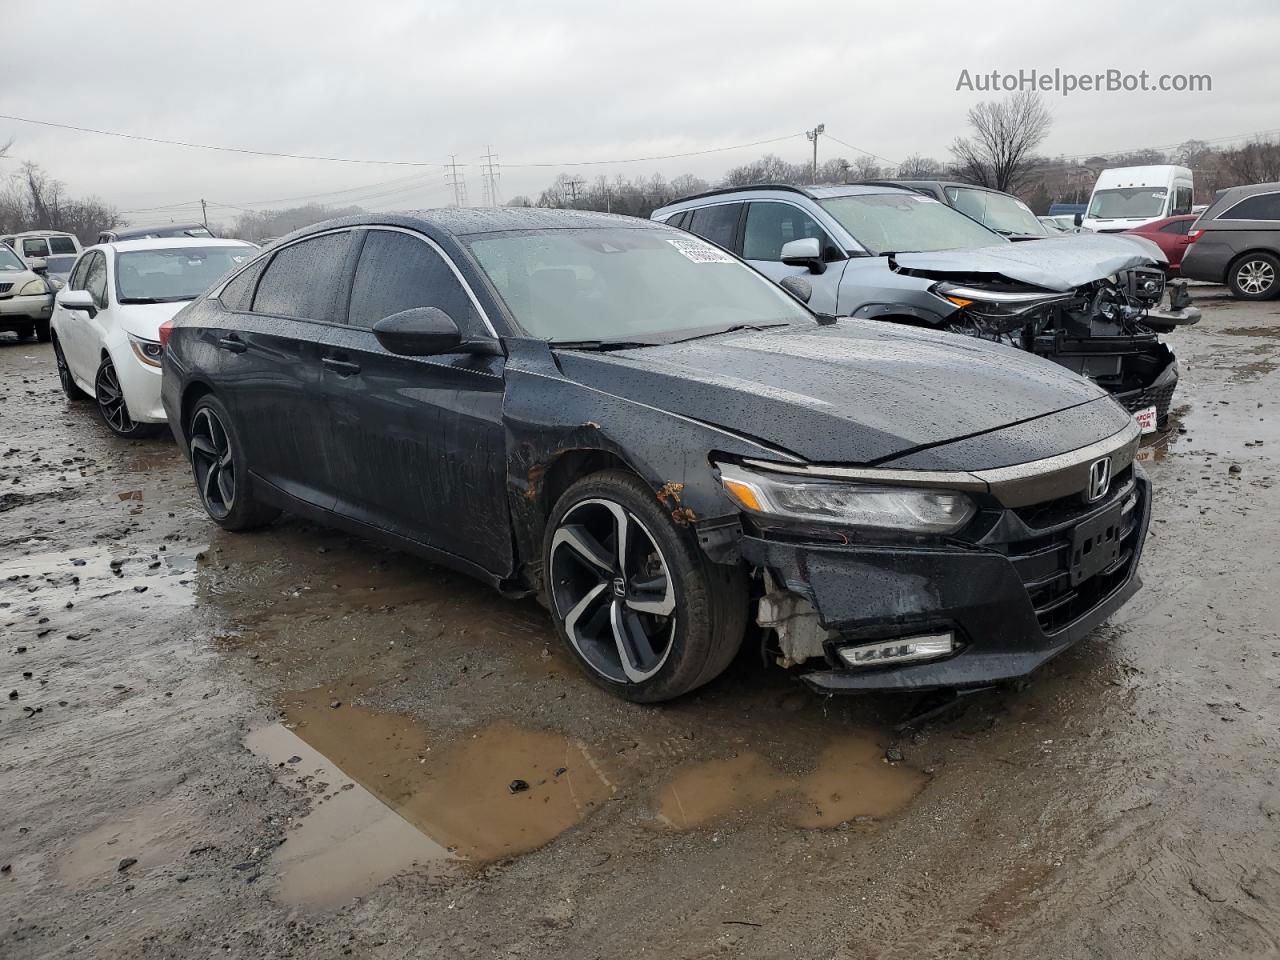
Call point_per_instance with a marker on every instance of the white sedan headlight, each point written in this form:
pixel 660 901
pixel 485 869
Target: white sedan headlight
pixel 874 506
pixel 33 288
pixel 148 351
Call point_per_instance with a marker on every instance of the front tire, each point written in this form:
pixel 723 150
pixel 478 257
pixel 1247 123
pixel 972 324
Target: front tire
pixel 43 333
pixel 1255 276
pixel 111 404
pixel 218 465
pixel 646 615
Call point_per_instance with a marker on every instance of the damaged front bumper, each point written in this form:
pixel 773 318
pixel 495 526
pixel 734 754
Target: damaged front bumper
pixel 1011 600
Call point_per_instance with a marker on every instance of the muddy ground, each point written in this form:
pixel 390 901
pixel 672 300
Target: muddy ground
pixel 293 744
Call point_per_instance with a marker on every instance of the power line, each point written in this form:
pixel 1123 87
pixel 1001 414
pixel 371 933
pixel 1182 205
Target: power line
pixel 892 163
pixel 665 156
pixel 209 146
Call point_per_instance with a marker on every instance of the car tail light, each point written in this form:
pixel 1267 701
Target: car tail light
pixel 166 331
pixel 1193 235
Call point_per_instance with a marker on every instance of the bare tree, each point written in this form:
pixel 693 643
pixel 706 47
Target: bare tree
pixel 1000 153
pixel 866 168
pixel 1255 162
pixel 916 167
pixel 36 201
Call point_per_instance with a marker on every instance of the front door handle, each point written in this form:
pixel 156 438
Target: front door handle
pixel 343 368
pixel 233 343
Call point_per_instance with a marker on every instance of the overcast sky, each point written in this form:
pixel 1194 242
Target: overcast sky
pixel 560 80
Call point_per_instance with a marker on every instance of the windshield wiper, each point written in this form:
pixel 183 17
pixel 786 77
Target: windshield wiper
pixel 733 329
pixel 601 344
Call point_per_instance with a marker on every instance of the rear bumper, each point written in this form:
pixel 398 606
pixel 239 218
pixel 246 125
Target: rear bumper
pixel 992 596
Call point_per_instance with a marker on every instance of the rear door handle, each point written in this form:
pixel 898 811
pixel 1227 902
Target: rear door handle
pixel 344 368
pixel 233 343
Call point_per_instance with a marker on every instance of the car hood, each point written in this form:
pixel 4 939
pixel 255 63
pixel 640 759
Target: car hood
pixel 144 319
pixel 852 392
pixel 1055 263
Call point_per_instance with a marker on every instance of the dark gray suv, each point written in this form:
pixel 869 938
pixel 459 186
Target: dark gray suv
pixel 1237 242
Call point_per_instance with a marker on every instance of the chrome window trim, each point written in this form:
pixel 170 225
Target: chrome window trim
pixel 277 247
pixel 1019 485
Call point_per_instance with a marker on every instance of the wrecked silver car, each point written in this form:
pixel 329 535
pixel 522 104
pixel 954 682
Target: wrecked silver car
pixel 878 252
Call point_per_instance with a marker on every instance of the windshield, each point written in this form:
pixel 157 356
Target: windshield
pixel 626 284
pixel 1127 202
pixel 907 223
pixel 176 273
pixel 10 260
pixel 999 211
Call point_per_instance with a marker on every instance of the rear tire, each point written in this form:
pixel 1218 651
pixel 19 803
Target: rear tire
pixel 1255 276
pixel 69 387
pixel 647 621
pixel 221 474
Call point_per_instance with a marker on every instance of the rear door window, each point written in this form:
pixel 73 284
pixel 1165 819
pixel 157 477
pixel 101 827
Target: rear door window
pixel 1178 226
pixel 305 280
pixel 399 271
pixel 1265 206
pixel 718 223
pixel 771 225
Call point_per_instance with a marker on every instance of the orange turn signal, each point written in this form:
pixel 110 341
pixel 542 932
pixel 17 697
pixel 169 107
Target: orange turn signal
pixel 743 493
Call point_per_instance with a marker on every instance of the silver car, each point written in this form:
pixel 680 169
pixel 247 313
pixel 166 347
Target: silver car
pixel 1088 302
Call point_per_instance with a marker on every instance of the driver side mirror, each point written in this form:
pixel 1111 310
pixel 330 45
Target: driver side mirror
pixel 805 252
pixel 78 300
pixel 1078 219
pixel 798 287
pixel 425 332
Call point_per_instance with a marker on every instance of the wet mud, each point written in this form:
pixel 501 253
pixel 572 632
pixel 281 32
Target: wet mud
pixel 292 743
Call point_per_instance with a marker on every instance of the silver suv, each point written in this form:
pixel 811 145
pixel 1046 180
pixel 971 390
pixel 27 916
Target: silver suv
pixel 1088 302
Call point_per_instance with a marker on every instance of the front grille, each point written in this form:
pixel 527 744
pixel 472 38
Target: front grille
pixel 1043 557
pixel 1161 397
pixel 5 287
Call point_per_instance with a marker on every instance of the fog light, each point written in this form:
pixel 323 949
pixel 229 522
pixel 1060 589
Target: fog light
pixel 900 650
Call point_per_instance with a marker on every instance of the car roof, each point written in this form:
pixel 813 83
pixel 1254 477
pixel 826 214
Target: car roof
pixel 135 232
pixel 170 243
pixel 814 192
pixel 41 233
pixel 469 221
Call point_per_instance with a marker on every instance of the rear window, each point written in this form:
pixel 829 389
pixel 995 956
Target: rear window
pixel 1264 206
pixel 62 245
pixel 35 247
pixel 304 280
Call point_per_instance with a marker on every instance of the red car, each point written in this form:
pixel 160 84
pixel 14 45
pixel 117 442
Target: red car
pixel 1171 236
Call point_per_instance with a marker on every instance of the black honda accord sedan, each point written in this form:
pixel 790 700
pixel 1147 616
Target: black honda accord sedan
pixel 663 446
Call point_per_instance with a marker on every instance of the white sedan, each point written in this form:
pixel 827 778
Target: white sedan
pixel 106 321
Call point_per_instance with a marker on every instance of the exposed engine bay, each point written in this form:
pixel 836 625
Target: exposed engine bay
pixel 1106 328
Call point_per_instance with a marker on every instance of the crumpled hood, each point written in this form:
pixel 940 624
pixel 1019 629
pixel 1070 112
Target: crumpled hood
pixel 144 319
pixel 853 392
pixel 1055 263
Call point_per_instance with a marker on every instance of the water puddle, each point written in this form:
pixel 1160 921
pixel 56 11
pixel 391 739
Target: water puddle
pixel 155 835
pixel 390 797
pixel 849 781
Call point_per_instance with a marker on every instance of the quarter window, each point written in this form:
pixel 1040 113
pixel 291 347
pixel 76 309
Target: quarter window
pixel 304 279
pixel 238 294
pixel 718 224
pixel 398 272
pixel 1265 206
pixel 770 225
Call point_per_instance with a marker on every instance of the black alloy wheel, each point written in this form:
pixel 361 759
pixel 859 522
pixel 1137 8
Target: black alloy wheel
pixel 112 406
pixel 213 462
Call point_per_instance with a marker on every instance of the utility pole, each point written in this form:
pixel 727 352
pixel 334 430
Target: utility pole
pixel 457 181
pixel 574 186
pixel 204 214
pixel 813 135
pixel 491 176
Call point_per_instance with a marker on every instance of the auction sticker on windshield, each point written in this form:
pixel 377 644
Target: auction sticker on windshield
pixel 1146 419
pixel 698 251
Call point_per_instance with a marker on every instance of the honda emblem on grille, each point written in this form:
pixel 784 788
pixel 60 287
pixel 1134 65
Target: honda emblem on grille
pixel 1099 479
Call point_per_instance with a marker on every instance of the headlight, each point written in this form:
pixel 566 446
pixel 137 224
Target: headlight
pixel 874 506
pixel 33 288
pixel 1000 303
pixel 148 351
